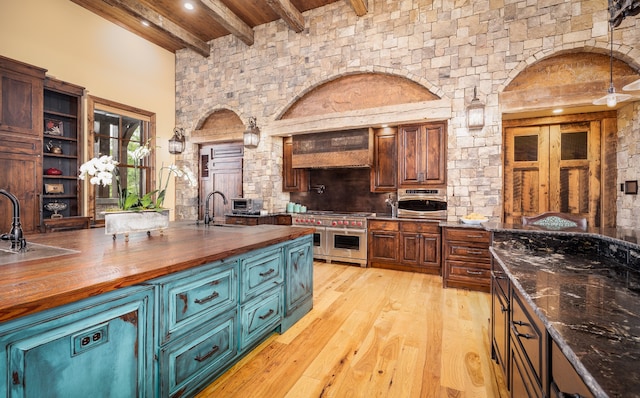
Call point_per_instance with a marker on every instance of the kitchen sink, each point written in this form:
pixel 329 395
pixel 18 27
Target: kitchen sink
pixel 34 251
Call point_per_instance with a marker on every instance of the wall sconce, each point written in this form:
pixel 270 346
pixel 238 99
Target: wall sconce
pixel 475 112
pixel 252 134
pixel 176 143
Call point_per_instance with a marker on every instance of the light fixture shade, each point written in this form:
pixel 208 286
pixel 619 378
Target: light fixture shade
pixel 176 143
pixel 252 134
pixel 633 86
pixel 475 112
pixel 612 98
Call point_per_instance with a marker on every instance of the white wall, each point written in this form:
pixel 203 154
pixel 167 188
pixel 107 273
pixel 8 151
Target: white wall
pixel 79 47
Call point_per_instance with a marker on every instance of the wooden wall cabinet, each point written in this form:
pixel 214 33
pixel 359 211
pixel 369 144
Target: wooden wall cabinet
pixel 467 261
pixel 62 150
pixel 293 180
pixel 384 173
pixel 404 245
pixel 422 154
pixel 21 88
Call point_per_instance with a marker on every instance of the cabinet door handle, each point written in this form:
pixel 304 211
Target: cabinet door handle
pixel 206 356
pixel 503 308
pixel 474 272
pixel 213 295
pixel 265 316
pixel 271 271
pixel 518 334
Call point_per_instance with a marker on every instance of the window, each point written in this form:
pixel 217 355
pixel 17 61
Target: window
pixel 116 130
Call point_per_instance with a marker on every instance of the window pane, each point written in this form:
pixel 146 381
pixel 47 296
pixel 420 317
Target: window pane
pixel 525 148
pixel 573 146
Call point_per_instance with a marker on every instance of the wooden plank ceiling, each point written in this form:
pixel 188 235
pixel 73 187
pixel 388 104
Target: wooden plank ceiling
pixel 170 25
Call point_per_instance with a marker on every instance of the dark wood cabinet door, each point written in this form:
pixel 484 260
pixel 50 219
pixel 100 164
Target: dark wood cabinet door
pixel 430 245
pixel 384 173
pixel 21 101
pixel 422 155
pixel 22 176
pixel 383 246
pixel 293 180
pixel 410 249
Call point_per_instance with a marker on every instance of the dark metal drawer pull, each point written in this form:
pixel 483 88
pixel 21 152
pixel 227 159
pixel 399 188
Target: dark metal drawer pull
pixel 503 309
pixel 524 335
pixel 206 356
pixel 474 252
pixel 474 272
pixel 267 315
pixel 213 295
pixel 520 323
pixel 475 236
pixel 271 271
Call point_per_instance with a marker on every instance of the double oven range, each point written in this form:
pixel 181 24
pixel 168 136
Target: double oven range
pixel 338 237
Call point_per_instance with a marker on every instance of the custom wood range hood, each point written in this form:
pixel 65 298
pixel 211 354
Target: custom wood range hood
pixel 345 149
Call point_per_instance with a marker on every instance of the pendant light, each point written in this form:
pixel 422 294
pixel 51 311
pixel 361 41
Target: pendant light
pixel 612 98
pixel 633 86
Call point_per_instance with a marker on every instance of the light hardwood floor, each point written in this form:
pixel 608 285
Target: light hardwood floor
pixel 374 333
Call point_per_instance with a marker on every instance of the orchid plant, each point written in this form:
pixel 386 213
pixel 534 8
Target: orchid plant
pixel 103 170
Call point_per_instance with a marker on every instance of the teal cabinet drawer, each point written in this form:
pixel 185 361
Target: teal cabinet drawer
pixel 260 316
pixel 98 347
pixel 196 298
pixel 261 272
pixel 188 363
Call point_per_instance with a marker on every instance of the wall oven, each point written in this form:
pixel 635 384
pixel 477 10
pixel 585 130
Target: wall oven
pixel 422 203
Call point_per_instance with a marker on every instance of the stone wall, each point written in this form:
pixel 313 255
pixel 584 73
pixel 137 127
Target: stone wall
pixel 628 164
pixel 448 46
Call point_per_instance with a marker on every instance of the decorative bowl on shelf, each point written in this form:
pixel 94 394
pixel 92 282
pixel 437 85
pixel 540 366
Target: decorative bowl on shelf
pixel 473 219
pixel 55 207
pixel 52 171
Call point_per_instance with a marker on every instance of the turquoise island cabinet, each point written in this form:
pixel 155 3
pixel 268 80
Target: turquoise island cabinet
pixel 166 336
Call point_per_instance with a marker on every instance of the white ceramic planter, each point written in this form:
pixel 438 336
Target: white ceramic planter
pixel 126 222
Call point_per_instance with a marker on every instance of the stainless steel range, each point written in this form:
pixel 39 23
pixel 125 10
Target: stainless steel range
pixel 338 237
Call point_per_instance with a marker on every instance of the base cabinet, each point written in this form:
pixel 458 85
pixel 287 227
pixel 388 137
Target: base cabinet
pixel 467 262
pixel 405 246
pixel 532 362
pixel 99 347
pixel 169 337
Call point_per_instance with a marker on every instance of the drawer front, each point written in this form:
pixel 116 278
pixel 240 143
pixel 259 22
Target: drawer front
pixel 186 362
pixel 526 334
pixel 197 298
pixel 261 272
pixel 383 225
pixel 467 235
pixel 425 227
pixel 471 272
pixel 259 316
pixel 466 251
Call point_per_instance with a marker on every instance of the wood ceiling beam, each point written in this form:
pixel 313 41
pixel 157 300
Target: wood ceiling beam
pixel 138 10
pixel 230 21
pixel 289 13
pixel 359 6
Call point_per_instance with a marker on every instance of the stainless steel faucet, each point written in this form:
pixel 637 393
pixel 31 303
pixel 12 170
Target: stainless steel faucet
pixel 18 242
pixel 207 217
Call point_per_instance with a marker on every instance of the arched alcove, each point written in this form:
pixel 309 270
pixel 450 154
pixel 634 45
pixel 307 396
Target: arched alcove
pixel 221 125
pixel 356 92
pixel 567 80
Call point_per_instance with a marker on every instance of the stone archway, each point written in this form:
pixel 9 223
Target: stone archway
pixel 356 92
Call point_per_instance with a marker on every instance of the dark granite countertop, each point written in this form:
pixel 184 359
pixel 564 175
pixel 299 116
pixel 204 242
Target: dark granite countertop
pixel 586 293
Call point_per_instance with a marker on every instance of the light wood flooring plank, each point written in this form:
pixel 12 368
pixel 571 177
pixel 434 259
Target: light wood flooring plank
pixel 373 333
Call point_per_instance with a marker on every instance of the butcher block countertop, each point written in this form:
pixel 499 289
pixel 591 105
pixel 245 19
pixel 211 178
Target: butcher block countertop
pixel 96 263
